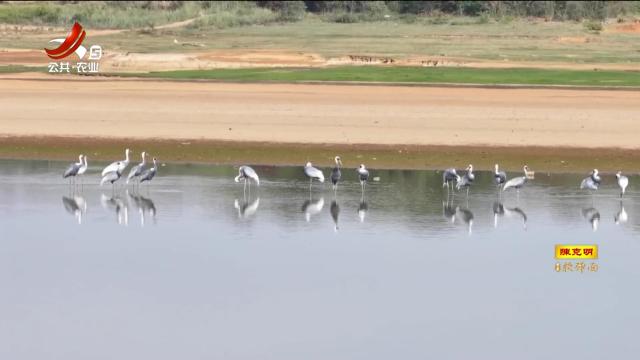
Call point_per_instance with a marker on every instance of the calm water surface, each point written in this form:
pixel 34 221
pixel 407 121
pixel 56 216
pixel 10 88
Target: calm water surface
pixel 191 268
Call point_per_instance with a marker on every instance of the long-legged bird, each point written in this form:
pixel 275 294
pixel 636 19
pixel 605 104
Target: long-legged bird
pixel 363 175
pixel 313 173
pixel 466 180
pixel 73 169
pixel 517 182
pixel 137 170
pixel 336 174
pixel 623 182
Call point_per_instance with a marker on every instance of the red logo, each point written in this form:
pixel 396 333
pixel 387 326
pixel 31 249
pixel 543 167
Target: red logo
pixel 69 45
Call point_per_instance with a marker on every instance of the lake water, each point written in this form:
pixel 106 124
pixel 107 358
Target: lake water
pixel 189 267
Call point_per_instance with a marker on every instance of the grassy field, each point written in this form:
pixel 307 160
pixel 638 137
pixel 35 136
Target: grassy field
pixel 18 69
pixel 411 75
pixel 461 38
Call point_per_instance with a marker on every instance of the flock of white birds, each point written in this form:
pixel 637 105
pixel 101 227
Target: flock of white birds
pixel 450 178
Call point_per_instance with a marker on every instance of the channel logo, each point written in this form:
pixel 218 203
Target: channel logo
pixel 73 43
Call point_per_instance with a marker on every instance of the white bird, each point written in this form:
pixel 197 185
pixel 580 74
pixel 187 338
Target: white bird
pixel 313 173
pixel 499 177
pixel 466 180
pixel 363 175
pixel 137 170
pixel 623 182
pixel 517 182
pixel 118 166
pixel 591 182
pixel 245 173
pixel 74 168
pixel 449 176
pixel 110 177
pixel 149 173
pixel 336 174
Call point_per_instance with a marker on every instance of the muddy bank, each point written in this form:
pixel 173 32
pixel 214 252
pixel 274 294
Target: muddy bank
pixel 542 159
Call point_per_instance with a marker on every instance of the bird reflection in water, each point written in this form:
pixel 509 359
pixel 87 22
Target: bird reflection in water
pixel 593 216
pixel 449 211
pixel 500 211
pixel 363 207
pixel 117 205
pixel 466 216
pixel 245 208
pixel 75 206
pixel 621 217
pixel 335 213
pixel 145 206
pixel 312 207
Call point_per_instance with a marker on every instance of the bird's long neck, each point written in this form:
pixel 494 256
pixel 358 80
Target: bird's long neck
pixel 126 156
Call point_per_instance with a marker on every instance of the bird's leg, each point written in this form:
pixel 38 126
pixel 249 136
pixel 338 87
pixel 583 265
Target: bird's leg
pixel 467 191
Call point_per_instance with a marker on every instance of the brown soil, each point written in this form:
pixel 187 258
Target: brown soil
pixel 319 114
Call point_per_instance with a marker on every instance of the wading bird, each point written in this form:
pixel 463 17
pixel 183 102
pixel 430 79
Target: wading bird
pixel 623 182
pixel 313 173
pixel 111 177
pixel 336 174
pixel 363 175
pixel 83 168
pixel 466 180
pixel 517 182
pixel 591 182
pixel 74 169
pixel 118 166
pixel 449 176
pixel 245 173
pixel 149 173
pixel 499 177
pixel 137 170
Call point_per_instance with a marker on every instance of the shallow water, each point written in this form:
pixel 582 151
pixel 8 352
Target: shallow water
pixel 189 268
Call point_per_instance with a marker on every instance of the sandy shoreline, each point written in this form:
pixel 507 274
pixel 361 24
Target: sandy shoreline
pixel 291 116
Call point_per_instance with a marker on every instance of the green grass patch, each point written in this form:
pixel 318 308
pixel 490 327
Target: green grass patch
pixel 411 75
pixel 9 69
